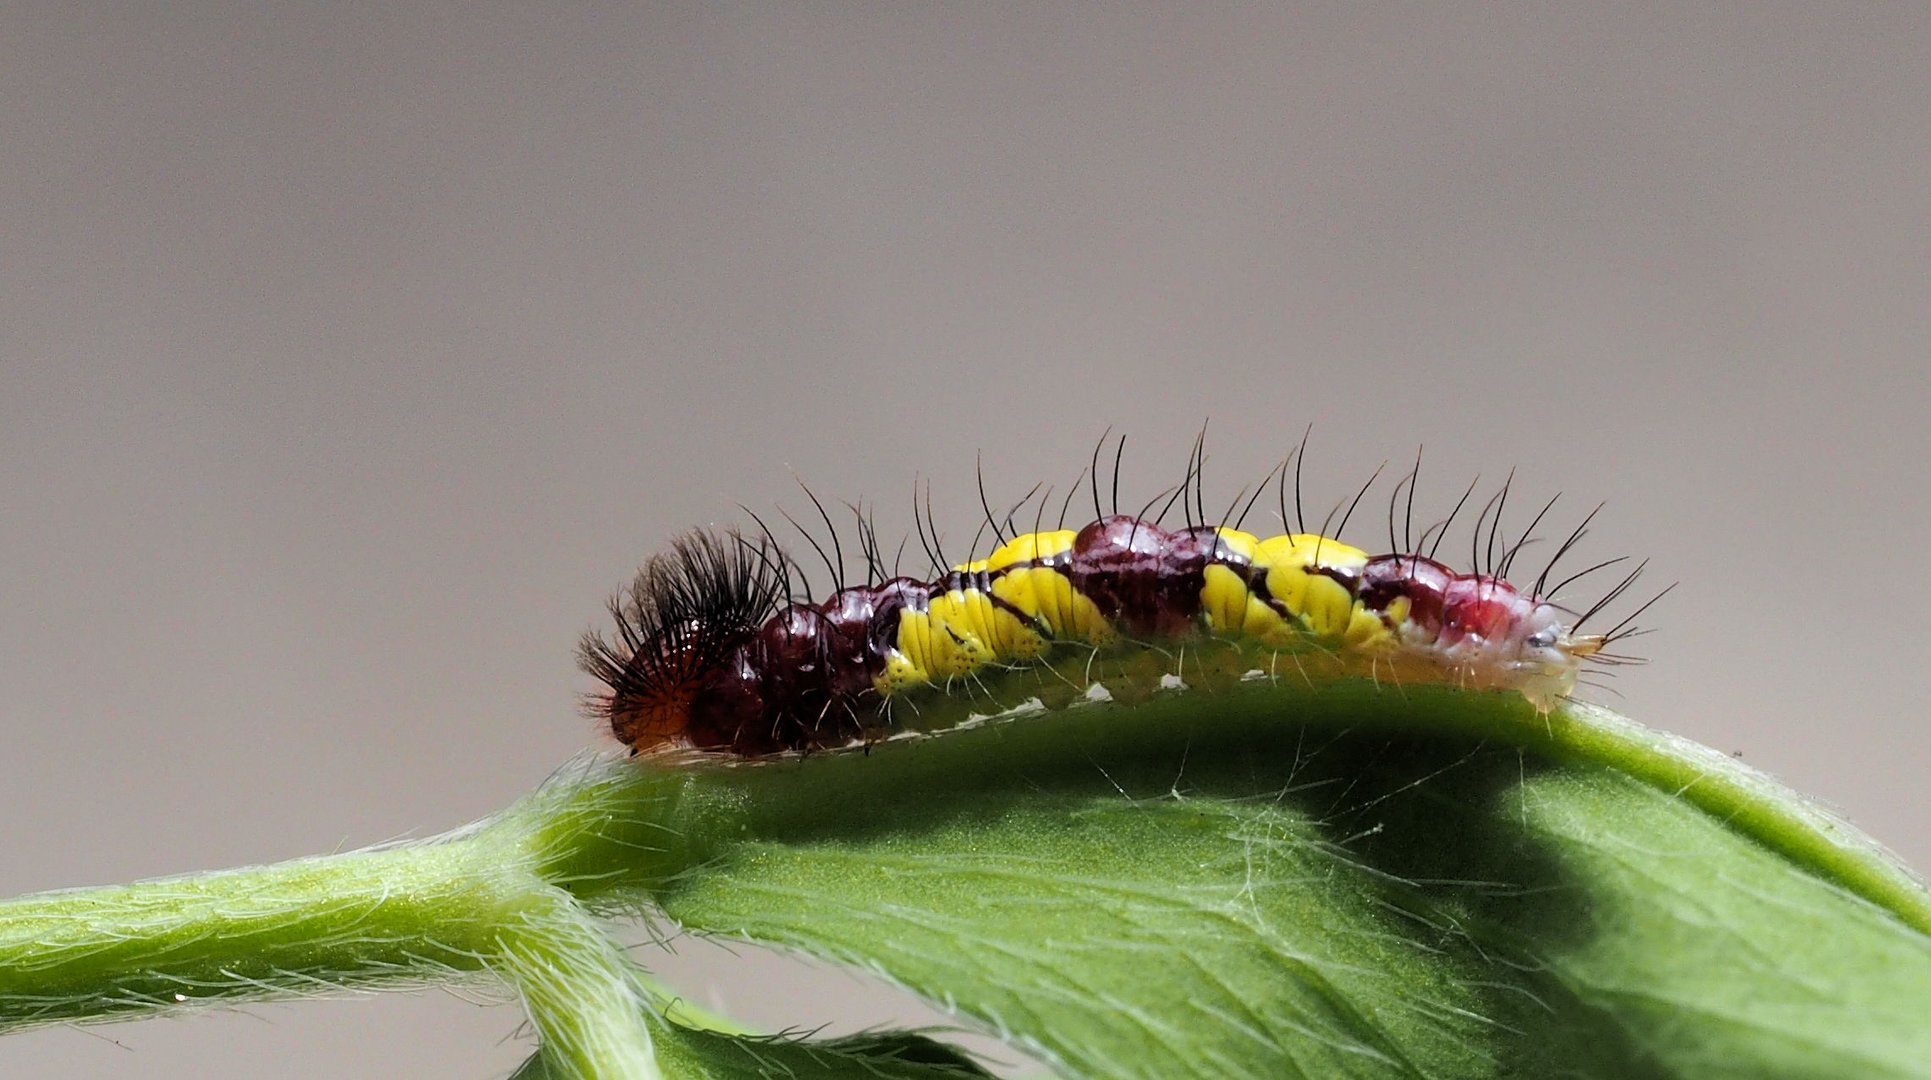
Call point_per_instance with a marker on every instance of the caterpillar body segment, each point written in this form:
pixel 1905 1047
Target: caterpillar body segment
pixel 690 672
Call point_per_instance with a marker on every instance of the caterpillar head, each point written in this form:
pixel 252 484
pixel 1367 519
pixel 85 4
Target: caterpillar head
pixel 1548 656
pixel 1500 636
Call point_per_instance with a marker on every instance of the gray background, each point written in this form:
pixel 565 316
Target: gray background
pixel 350 356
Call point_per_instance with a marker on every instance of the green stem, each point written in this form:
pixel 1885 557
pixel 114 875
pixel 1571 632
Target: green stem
pixel 456 907
pixel 415 914
pixel 582 993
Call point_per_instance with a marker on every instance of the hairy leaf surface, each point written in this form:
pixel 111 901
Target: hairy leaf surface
pixel 1171 892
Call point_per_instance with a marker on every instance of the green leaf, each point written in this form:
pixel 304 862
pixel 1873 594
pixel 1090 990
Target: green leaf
pixel 710 1055
pixel 1397 889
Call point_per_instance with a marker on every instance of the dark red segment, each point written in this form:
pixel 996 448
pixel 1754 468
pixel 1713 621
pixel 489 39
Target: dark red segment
pixel 1145 580
pixel 1423 581
pixel 805 681
pixel 1482 606
pixel 1453 606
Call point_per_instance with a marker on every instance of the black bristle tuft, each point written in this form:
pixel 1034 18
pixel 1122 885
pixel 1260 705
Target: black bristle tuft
pixel 684 612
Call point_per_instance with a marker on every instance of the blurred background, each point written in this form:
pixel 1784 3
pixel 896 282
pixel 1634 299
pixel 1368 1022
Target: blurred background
pixel 351 355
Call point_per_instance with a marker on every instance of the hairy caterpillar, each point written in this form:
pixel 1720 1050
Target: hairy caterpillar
pixel 712 652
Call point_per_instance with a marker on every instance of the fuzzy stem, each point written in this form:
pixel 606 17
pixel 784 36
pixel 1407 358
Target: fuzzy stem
pixel 404 915
pixel 453 908
pixel 583 995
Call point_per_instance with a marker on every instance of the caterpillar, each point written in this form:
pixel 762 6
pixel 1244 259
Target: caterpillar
pixel 714 652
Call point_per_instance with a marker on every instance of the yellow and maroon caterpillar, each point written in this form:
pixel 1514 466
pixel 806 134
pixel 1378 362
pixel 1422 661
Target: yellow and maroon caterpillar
pixel 708 656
